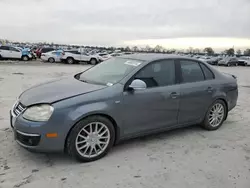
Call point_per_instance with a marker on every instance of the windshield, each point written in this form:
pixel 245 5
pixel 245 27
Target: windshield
pixel 109 72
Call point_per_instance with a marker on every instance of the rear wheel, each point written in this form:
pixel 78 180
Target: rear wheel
pixel 215 115
pixel 91 139
pixel 70 60
pixel 25 58
pixel 51 60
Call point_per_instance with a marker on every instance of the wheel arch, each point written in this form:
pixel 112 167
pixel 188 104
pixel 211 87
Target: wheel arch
pixel 225 101
pixel 51 58
pixel 116 127
pixel 70 57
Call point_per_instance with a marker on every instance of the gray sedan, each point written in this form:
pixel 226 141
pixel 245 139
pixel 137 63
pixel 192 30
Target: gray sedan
pixel 121 98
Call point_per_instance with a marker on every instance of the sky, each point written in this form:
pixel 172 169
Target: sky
pixel 170 23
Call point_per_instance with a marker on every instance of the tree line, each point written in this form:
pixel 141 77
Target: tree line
pixel 157 49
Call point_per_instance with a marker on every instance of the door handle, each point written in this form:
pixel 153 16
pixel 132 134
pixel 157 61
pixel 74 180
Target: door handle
pixel 174 95
pixel 209 89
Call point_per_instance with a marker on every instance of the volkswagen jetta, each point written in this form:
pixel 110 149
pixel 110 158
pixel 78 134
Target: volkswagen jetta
pixel 121 98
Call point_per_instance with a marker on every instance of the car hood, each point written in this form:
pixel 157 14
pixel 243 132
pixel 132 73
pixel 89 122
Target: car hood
pixel 57 90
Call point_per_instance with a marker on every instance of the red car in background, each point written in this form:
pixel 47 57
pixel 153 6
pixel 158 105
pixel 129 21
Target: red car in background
pixel 39 51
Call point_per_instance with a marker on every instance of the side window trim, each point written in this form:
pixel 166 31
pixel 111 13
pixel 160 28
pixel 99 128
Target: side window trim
pixel 177 81
pixel 204 76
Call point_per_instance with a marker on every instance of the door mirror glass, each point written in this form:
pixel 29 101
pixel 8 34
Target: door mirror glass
pixel 138 85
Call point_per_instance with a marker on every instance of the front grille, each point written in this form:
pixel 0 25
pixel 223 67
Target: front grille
pixel 26 139
pixel 18 109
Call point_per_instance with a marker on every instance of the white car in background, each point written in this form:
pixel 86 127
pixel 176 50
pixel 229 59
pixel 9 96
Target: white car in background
pixel 9 52
pixel 52 56
pixel 104 56
pixel 76 56
pixel 245 61
pixel 115 54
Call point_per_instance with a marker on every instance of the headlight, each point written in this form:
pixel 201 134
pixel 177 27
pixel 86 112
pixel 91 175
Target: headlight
pixel 38 112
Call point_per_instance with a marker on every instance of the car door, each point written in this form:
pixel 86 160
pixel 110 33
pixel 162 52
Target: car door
pixel 15 53
pixel 5 52
pixel 156 106
pixel 196 91
pixel 85 56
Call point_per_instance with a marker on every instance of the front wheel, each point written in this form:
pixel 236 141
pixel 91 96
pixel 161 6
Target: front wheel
pixel 93 61
pixel 51 60
pixel 215 115
pixel 70 60
pixel 91 139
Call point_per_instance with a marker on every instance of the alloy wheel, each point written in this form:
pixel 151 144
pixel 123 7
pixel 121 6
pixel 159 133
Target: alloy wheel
pixel 216 115
pixel 70 61
pixel 51 60
pixel 92 140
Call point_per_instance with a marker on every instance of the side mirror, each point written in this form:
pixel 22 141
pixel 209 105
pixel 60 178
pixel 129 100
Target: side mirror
pixel 137 85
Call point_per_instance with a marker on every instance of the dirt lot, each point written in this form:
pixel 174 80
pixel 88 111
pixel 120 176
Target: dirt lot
pixel 190 157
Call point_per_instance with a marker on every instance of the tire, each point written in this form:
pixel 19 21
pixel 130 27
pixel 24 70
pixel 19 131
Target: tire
pixel 73 145
pixel 228 64
pixel 93 61
pixel 51 60
pixel 70 60
pixel 206 124
pixel 25 58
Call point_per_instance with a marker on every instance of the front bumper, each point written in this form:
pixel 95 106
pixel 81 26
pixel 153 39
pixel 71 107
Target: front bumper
pixel 32 135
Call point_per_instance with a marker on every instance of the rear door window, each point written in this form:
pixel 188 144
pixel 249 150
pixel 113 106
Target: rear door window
pixel 44 50
pixel 207 72
pixel 191 71
pixel 4 48
pixel 14 49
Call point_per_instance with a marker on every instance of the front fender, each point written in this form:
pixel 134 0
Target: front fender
pixel 89 109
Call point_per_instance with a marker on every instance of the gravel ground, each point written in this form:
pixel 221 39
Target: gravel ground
pixel 190 157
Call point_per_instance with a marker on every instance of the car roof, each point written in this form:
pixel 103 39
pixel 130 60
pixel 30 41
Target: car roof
pixel 154 57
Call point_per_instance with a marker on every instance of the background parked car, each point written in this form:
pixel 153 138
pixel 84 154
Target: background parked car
pixel 53 56
pixel 214 60
pixel 76 56
pixel 43 50
pixel 104 56
pixel 9 52
pixel 245 61
pixel 229 61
